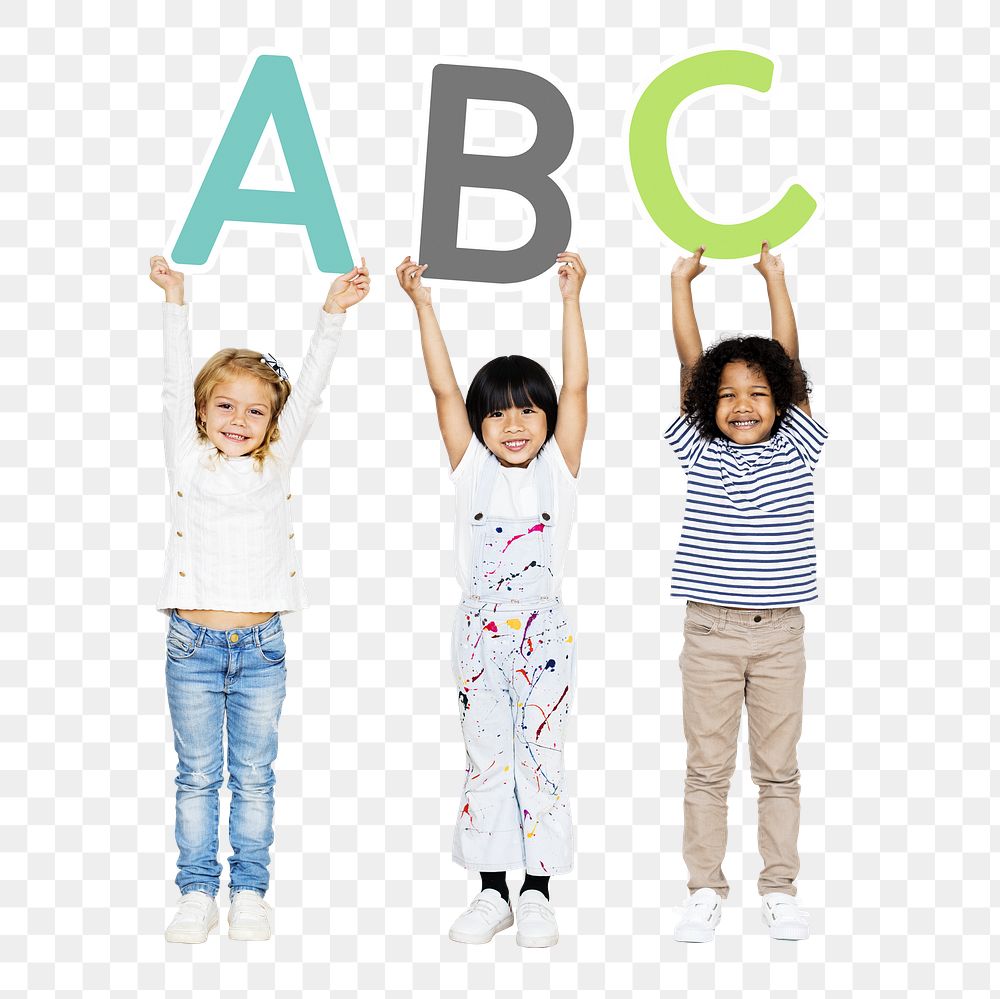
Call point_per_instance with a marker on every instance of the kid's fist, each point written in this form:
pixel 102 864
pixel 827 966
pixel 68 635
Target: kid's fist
pixel 408 274
pixel 162 276
pixel 688 268
pixel 571 275
pixel 768 265
pixel 348 289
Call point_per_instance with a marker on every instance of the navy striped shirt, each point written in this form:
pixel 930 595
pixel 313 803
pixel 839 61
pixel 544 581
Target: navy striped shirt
pixel 747 537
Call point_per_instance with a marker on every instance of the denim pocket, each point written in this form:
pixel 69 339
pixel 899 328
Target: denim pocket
pixel 272 648
pixel 179 645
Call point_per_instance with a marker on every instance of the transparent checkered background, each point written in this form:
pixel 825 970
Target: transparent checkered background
pixel 887 119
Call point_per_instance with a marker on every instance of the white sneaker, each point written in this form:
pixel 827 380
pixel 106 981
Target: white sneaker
pixel 197 915
pixel 702 912
pixel 781 914
pixel 487 915
pixel 536 921
pixel 249 917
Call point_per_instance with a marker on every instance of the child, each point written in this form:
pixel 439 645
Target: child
pixel 745 561
pixel 514 656
pixel 231 569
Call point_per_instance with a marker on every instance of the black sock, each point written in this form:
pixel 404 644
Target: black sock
pixel 532 882
pixel 497 880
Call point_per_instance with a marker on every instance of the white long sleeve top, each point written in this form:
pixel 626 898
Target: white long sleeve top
pixel 231 542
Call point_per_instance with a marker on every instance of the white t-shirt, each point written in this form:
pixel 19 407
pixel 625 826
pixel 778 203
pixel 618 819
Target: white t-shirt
pixel 515 494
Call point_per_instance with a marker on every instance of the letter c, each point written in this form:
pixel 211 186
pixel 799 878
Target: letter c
pixel 650 159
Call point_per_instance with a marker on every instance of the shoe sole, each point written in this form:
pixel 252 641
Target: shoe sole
pixel 190 937
pixel 779 932
pixel 551 941
pixel 469 938
pixel 693 935
pixel 248 934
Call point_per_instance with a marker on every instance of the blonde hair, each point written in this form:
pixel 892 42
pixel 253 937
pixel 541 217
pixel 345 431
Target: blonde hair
pixel 235 362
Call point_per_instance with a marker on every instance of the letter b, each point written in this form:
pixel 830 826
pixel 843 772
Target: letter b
pixel 448 168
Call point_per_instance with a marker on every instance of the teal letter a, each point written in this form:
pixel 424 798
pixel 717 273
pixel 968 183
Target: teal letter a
pixel 271 91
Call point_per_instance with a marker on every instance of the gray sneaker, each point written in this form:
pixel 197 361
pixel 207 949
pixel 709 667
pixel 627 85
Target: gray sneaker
pixel 197 915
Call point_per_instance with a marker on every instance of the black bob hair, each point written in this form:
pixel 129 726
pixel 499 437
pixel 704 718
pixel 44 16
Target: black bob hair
pixel 789 383
pixel 508 381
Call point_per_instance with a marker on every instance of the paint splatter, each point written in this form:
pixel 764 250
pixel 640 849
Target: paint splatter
pixel 514 622
pixel 465 811
pixel 489 626
pixel 549 715
pixel 537 527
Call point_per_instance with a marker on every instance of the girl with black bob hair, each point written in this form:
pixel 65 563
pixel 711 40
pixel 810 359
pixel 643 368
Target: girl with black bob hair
pixel 513 650
pixel 509 381
pixel 789 383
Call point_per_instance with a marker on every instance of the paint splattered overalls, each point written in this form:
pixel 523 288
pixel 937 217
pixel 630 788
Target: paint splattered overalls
pixel 515 663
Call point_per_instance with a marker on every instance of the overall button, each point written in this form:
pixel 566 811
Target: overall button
pixel 289 496
pixel 234 638
pixel 756 619
pixel 545 516
pixel 180 534
pixel 179 493
pixel 181 573
pixel 292 573
pixel 290 536
pixel 478 516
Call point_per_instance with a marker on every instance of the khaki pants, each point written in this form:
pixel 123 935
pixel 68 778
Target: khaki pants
pixel 732 655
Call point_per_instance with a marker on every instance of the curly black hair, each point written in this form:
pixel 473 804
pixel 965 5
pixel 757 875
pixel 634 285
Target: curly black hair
pixel 789 383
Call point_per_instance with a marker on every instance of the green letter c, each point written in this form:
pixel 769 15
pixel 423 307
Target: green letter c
pixel 654 179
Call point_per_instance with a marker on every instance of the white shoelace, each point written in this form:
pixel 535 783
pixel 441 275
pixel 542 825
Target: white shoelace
pixel 699 909
pixel 251 910
pixel 483 906
pixel 534 909
pixel 189 905
pixel 792 911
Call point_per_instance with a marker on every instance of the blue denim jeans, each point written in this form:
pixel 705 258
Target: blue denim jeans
pixel 234 679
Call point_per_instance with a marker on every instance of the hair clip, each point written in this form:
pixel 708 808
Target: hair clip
pixel 272 363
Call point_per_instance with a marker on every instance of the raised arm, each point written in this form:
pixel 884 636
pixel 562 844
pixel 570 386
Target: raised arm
pixel 453 418
pixel 302 407
pixel 179 431
pixel 783 328
pixel 687 338
pixel 571 424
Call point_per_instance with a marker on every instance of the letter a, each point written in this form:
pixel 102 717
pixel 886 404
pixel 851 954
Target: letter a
pixel 271 91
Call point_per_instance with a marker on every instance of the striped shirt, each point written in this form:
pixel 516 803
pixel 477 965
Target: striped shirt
pixel 747 536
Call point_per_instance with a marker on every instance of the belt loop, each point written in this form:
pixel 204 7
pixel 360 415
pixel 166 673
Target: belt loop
pixel 201 636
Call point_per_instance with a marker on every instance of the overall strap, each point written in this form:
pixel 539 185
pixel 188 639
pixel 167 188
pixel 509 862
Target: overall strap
pixel 484 488
pixel 545 484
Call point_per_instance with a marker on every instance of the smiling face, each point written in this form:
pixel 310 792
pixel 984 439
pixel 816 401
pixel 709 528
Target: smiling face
pixel 744 409
pixel 515 435
pixel 238 415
